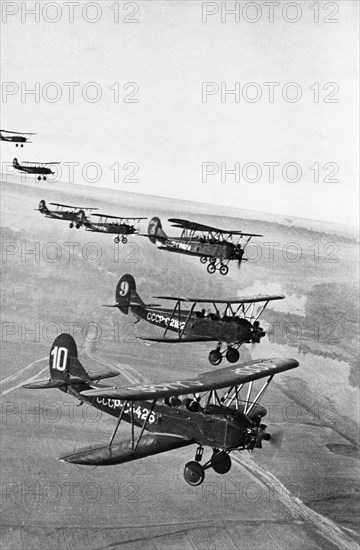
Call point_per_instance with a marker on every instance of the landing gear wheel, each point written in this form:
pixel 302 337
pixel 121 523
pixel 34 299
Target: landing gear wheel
pixel 124 240
pixel 224 270
pixel 22 145
pixel 212 260
pixel 77 226
pixel 39 178
pixel 71 225
pixel 44 178
pixel 117 240
pixel 203 259
pixel 215 357
pixel 211 268
pixel 232 355
pixel 194 473
pixel 221 463
pixel 16 145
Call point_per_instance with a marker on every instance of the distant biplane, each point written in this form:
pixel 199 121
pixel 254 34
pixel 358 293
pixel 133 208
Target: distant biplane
pixel 16 137
pixel 74 214
pixel 114 224
pixel 213 245
pixel 233 321
pixel 40 168
pixel 207 410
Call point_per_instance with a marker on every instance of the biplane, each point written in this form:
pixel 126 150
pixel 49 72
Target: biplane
pixel 114 224
pixel 214 246
pixel 234 321
pixel 19 138
pixel 218 409
pixel 40 168
pixel 74 214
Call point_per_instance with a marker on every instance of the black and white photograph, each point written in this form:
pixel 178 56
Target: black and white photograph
pixel 180 275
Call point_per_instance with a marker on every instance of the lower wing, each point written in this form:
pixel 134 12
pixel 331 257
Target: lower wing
pixel 124 451
pixel 183 339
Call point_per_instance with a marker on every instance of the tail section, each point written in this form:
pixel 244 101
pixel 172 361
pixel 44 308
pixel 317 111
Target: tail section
pixel 126 295
pixel 15 163
pixel 42 207
pixel 155 230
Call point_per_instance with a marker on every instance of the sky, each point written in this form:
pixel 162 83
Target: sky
pixel 152 109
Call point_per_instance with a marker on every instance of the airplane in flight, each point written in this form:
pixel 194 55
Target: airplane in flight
pixel 40 168
pixel 115 225
pixel 231 320
pixel 19 138
pixel 74 214
pixel 214 246
pixel 217 409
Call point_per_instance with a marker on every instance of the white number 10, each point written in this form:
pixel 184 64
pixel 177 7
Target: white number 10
pixel 59 360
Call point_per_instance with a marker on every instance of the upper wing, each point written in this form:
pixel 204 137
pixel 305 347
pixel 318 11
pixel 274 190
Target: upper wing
pixel 72 206
pixel 212 380
pixel 195 226
pixel 118 217
pixel 18 133
pixel 245 300
pixel 39 163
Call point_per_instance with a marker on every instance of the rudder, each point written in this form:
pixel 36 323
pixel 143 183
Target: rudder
pixel 126 295
pixel 155 230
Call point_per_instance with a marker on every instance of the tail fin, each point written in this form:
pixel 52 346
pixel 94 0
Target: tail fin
pixel 155 230
pixel 42 207
pixel 64 365
pixel 126 294
pixel 15 163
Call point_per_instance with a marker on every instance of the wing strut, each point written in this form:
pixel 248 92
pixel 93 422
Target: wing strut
pixel 118 423
pixel 187 320
pixel 247 402
pixel 259 395
pixel 144 424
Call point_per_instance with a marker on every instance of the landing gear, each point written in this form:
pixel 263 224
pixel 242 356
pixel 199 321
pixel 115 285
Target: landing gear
pixel 215 357
pixel 224 270
pixel 39 178
pixel 232 355
pixel 71 225
pixel 194 473
pixel 215 265
pixel 77 226
pixel 117 240
pixel 220 462
pixel 44 178
pixel 124 240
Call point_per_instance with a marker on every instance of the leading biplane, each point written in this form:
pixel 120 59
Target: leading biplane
pixel 214 246
pixel 114 224
pixel 19 138
pixel 74 214
pixel 234 321
pixel 40 168
pixel 214 409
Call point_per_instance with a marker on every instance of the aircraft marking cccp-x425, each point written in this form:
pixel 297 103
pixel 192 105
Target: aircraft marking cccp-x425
pixel 232 320
pixel 215 415
pixel 213 245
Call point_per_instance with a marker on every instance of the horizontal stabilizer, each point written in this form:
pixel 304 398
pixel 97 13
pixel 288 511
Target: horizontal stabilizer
pixel 103 374
pixel 44 384
pixel 123 451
